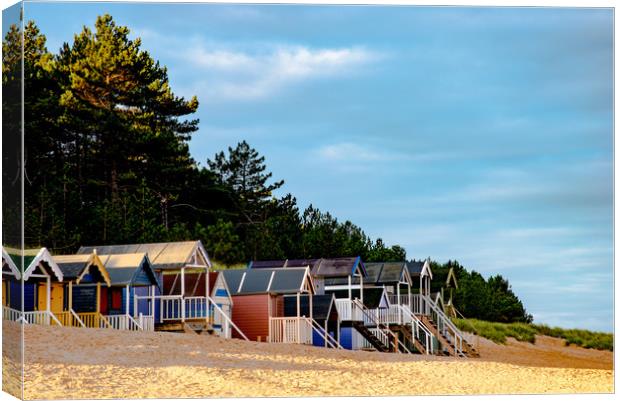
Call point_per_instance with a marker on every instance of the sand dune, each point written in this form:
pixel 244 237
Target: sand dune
pixel 86 363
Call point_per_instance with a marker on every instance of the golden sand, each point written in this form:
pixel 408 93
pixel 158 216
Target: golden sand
pixel 88 363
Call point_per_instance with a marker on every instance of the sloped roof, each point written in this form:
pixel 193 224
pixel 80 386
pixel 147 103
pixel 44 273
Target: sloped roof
pixel 8 261
pixel 384 273
pixel 323 267
pixel 74 267
pixel 124 268
pixel 417 267
pixel 36 257
pixel 322 306
pixel 164 255
pixel 260 281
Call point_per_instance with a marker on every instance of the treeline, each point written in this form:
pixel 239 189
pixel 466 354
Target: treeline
pixel 107 161
pixel 489 299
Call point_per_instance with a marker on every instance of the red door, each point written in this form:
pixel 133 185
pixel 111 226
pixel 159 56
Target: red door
pixel 103 305
pixel 117 299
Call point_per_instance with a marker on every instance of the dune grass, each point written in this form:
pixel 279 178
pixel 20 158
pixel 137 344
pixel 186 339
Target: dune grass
pixel 499 332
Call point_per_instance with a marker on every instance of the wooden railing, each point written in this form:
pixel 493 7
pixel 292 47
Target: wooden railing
pixel 394 299
pixel 146 322
pixel 347 310
pixel 40 317
pixel 195 307
pixel 384 338
pixel 123 322
pixel 419 330
pixel 94 320
pixel 290 330
pixel 70 319
pixel 390 315
pixel 177 307
pixel 380 326
pixel 328 339
pixel 11 314
pixel 445 326
pixel 228 325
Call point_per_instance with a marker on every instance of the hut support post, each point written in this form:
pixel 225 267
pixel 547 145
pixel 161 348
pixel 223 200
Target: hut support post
pixel 152 309
pixel 182 306
pixel 298 319
pixel 361 288
pixel 183 282
pixel 70 295
pixel 207 295
pixel 127 299
pixel 350 297
pixel 48 296
pixel 326 332
pixel 98 297
pixel 310 299
pixel 398 293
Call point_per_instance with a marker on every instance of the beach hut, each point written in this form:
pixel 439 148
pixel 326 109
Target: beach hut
pixel 421 277
pixel 222 299
pixel 258 296
pixel 77 300
pixel 344 278
pixel 324 312
pixel 37 278
pixel 10 273
pixel 394 277
pixel 445 282
pixel 128 304
pixel 182 268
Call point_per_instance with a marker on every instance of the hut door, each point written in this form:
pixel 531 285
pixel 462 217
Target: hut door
pixel 57 297
pixel 103 304
pixel 4 289
pixel 42 296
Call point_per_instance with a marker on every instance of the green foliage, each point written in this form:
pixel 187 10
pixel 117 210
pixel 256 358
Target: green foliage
pixel 582 338
pixel 491 300
pixel 221 241
pixel 107 161
pixel 499 332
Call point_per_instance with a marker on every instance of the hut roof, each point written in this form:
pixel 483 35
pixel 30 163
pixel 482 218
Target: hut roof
pixel 37 257
pixel 9 263
pixel 323 267
pixel 74 267
pixel 384 273
pixel 164 255
pixel 259 281
pixel 417 268
pixel 126 268
pixel 322 306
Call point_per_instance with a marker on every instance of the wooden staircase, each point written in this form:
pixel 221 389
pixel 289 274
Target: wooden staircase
pixel 408 334
pixel 467 349
pixel 368 335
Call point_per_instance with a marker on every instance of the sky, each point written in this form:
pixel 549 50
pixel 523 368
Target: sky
pixel 478 134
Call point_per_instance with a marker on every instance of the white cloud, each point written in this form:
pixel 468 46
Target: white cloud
pixel 237 74
pixel 347 151
pixel 354 152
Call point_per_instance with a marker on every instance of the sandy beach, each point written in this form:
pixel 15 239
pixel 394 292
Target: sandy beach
pixel 66 362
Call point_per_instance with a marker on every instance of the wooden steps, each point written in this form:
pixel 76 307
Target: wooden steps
pixel 467 349
pixel 194 327
pixel 408 334
pixel 368 335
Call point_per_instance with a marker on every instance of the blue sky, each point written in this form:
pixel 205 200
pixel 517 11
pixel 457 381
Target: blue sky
pixel 478 134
